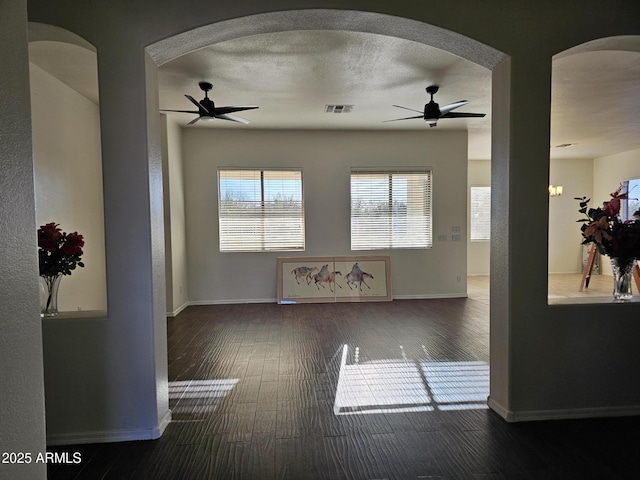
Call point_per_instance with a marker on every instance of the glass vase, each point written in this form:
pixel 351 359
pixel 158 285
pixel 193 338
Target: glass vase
pixel 622 278
pixel 49 285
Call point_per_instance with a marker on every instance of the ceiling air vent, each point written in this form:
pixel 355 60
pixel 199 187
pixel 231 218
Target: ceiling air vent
pixel 338 108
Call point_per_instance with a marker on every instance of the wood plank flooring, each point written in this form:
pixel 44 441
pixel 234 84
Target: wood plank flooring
pixel 391 390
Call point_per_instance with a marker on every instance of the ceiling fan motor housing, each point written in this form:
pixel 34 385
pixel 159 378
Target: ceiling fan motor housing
pixel 208 104
pixel 432 111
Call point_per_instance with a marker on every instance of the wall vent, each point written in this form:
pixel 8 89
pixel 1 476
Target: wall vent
pixel 338 108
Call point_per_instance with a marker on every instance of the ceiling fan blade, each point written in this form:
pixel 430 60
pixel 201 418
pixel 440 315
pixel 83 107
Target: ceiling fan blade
pixel 406 118
pixel 407 108
pixel 193 121
pixel 233 118
pixel 225 110
pixel 452 106
pixel 181 111
pixel 201 108
pixel 462 115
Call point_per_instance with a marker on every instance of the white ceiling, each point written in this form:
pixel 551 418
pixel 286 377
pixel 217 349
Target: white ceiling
pixel 291 76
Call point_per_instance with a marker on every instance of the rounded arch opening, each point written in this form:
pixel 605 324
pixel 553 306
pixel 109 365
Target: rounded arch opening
pixel 594 149
pixel 171 48
pixel 166 50
pixel 326 19
pixel 67 156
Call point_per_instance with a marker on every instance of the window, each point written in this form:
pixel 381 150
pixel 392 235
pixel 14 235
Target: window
pixel 390 209
pixel 632 205
pixel 260 210
pixel 480 213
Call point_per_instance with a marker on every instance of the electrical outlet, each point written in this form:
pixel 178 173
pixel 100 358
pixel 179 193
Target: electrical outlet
pixel 456 237
pixel 442 238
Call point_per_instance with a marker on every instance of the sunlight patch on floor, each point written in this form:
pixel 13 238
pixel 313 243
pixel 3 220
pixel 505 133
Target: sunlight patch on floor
pixel 405 385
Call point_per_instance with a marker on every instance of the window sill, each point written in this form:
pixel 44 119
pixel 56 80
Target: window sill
pixel 561 300
pixel 78 314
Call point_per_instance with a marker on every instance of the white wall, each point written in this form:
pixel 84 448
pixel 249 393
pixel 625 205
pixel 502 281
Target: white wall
pixel 565 249
pixel 326 159
pixel 608 173
pixel 478 251
pixel 106 377
pixel 68 170
pixel 22 421
pixel 174 217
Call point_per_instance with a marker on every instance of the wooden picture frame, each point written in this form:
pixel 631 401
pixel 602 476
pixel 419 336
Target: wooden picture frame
pixel 354 278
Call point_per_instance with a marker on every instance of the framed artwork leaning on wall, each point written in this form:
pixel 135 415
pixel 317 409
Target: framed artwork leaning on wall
pixel 334 279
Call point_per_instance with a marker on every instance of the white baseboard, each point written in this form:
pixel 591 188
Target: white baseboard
pixel 164 423
pixel 568 273
pixel 234 301
pixel 110 436
pixel 177 310
pixel 274 300
pixel 499 409
pixel 430 296
pixel 564 414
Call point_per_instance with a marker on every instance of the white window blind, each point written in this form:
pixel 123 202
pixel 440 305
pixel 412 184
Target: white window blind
pixel 390 209
pixel 260 210
pixel 480 213
pixel 632 204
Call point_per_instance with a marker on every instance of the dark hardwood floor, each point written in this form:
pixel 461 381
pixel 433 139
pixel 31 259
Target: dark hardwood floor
pixel 391 390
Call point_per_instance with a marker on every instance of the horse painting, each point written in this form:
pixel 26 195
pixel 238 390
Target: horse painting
pixel 325 276
pixel 304 272
pixel 357 276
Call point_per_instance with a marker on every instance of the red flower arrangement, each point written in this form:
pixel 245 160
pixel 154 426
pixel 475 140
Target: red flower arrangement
pixel 612 236
pixel 59 252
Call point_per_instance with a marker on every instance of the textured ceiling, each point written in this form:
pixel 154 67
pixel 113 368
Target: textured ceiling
pixel 293 75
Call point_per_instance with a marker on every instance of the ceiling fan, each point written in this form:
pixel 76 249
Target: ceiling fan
pixel 208 111
pixel 433 112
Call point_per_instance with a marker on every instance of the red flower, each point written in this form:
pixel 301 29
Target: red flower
pixel 74 244
pixel 48 236
pixel 598 230
pixel 611 236
pixel 59 252
pixel 613 206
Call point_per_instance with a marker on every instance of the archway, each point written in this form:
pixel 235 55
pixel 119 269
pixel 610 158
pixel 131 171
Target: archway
pixel 348 20
pixel 166 50
pixel 593 150
pixel 67 155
